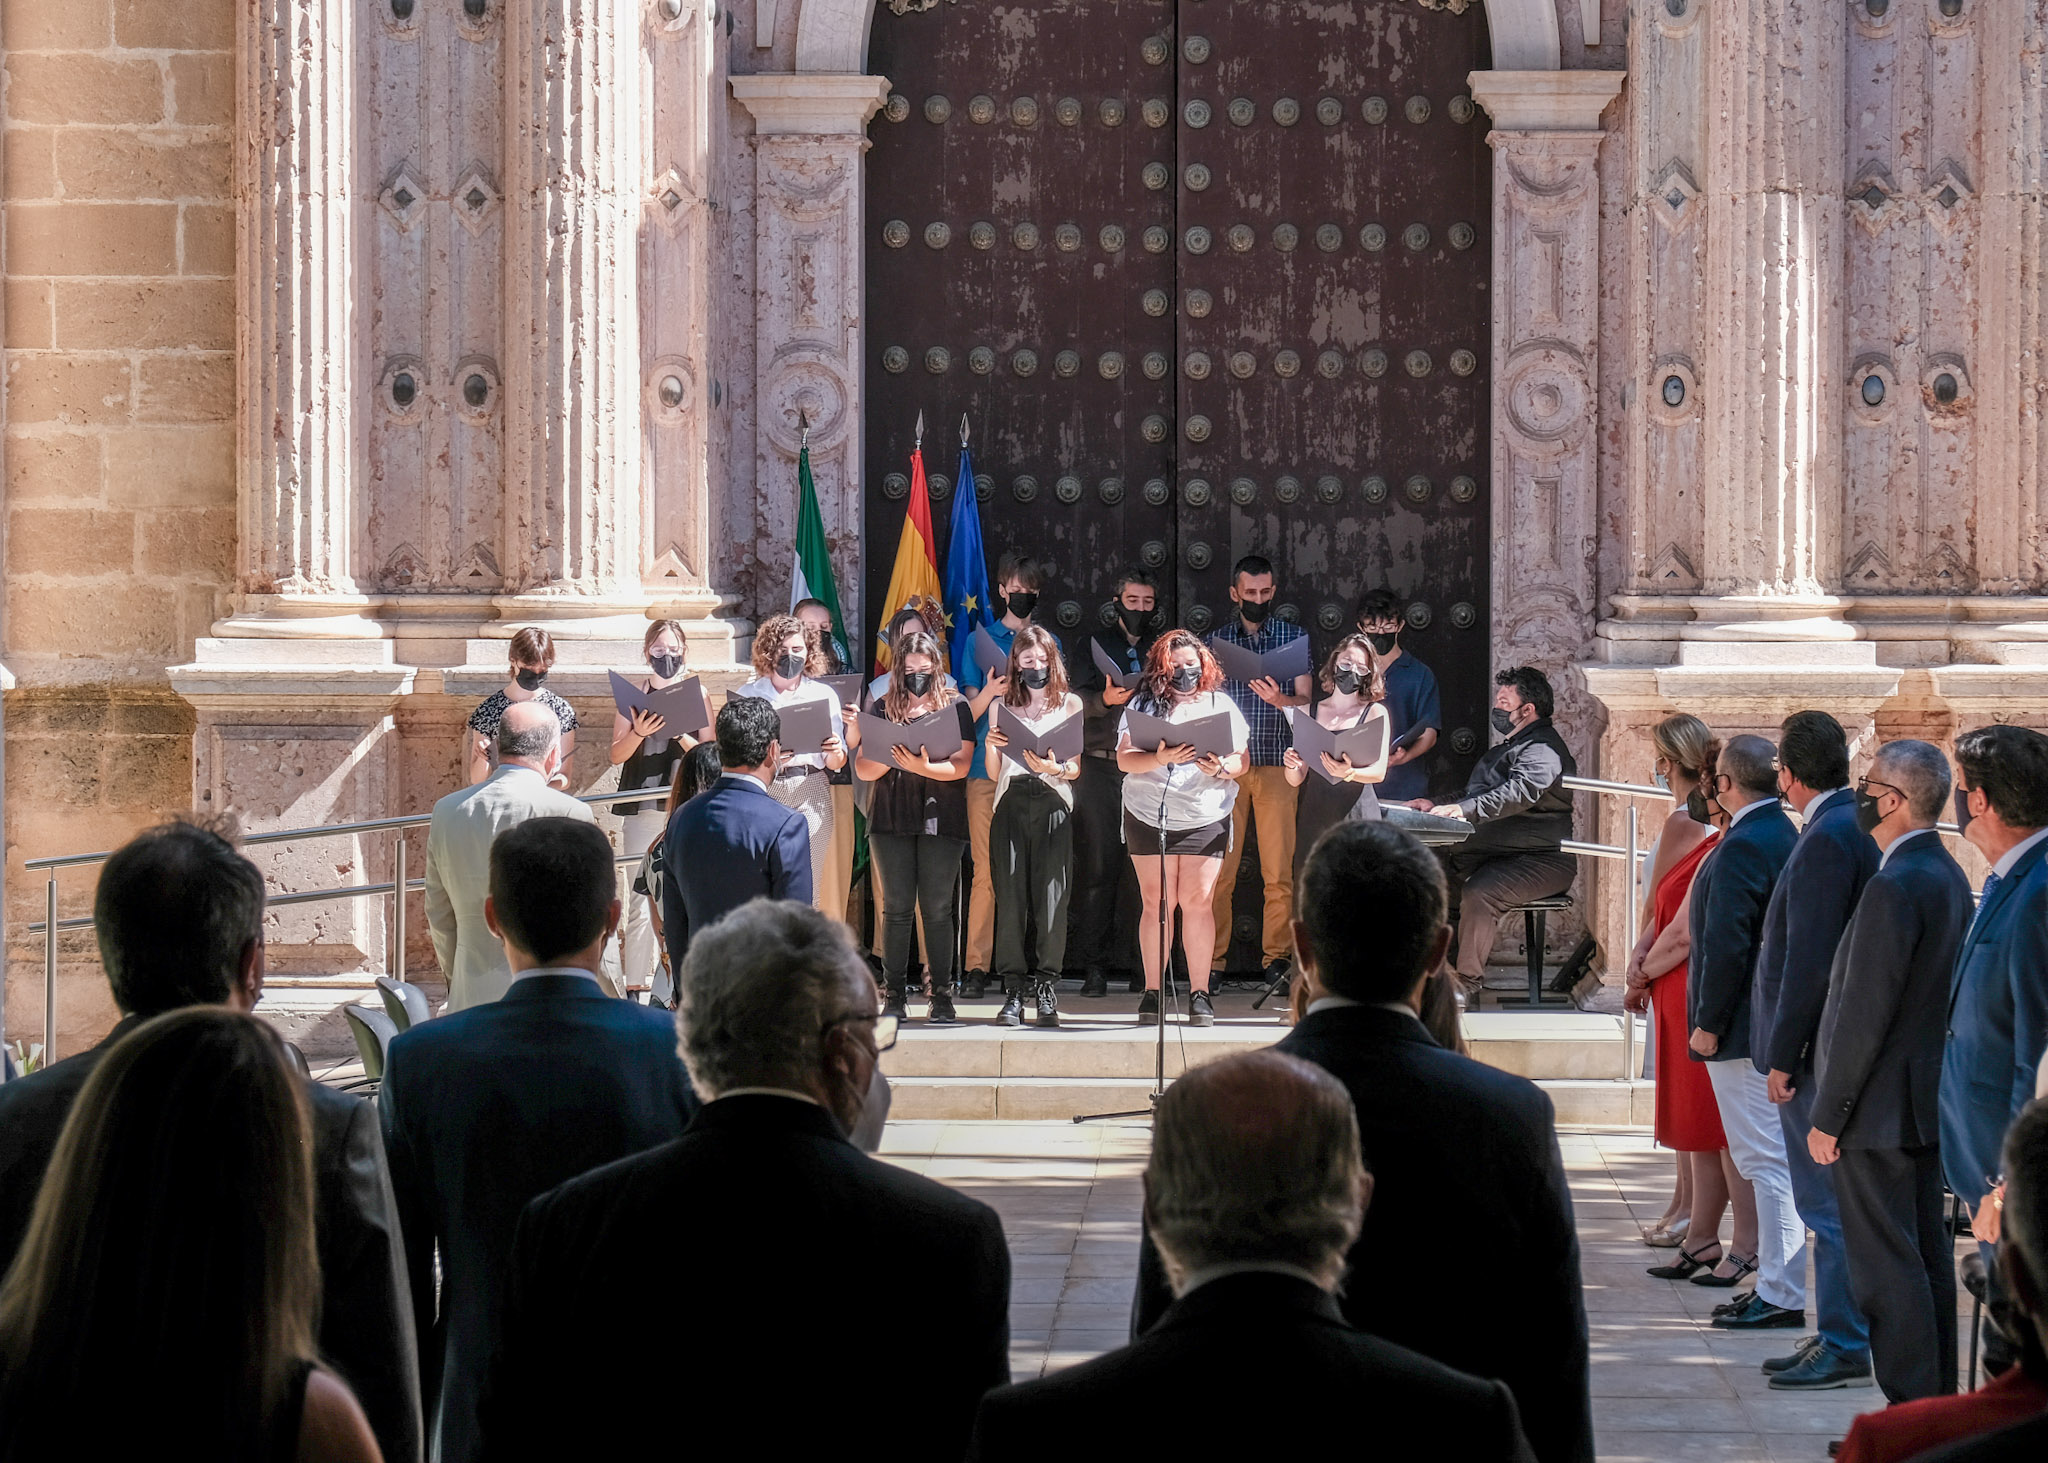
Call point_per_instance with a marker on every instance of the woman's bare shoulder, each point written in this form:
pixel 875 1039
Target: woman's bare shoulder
pixel 332 1428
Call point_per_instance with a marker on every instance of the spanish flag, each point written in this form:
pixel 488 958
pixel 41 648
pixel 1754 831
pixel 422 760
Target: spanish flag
pixel 917 559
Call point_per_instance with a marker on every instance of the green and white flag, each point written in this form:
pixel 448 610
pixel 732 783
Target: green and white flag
pixel 813 576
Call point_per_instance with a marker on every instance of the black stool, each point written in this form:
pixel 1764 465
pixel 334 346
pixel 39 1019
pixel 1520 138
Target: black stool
pixel 1535 915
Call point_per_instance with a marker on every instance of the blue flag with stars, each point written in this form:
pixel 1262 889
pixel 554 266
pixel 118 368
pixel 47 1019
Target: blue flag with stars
pixel 966 568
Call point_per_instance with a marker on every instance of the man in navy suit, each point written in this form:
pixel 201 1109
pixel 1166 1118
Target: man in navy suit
pixel 735 842
pixel 494 1104
pixel 1809 909
pixel 1730 897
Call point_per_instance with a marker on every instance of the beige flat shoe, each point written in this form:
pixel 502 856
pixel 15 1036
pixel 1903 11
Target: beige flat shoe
pixel 1666 1237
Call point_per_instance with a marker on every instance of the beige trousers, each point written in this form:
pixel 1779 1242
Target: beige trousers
pixel 981 900
pixel 1263 793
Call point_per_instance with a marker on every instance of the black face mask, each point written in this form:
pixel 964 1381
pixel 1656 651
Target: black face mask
pixel 1348 680
pixel 1035 676
pixel 1255 614
pixel 789 667
pixel 917 683
pixel 1187 677
pixel 665 665
pixel 529 680
pixel 1022 603
pixel 1381 644
pixel 1696 806
pixel 1867 815
pixel 1132 620
pixel 1503 721
pixel 1963 816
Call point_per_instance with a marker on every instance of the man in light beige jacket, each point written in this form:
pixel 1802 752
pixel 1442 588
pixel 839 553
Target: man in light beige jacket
pixel 459 849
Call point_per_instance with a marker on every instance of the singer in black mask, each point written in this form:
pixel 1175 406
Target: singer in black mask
pixel 1520 811
pixel 531 655
pixel 1414 706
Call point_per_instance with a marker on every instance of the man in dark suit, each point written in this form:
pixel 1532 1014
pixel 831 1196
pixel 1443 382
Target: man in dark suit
pixel 1809 909
pixel 179 919
pixel 1876 1088
pixel 1730 896
pixel 1443 1135
pixel 1254 1191
pixel 794 1265
pixel 494 1104
pixel 735 842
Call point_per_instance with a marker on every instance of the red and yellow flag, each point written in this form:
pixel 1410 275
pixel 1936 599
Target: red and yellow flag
pixel 917 559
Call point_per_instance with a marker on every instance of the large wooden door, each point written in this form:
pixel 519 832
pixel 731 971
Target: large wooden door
pixel 1208 278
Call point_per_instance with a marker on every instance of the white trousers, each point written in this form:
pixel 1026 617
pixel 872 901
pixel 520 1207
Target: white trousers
pixel 640 953
pixel 1756 1141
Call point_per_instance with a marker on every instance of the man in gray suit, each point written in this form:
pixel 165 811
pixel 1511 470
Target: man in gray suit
pixel 459 849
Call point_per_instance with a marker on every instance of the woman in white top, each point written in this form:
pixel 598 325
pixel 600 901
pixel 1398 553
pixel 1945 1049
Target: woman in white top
pixel 647 752
pixel 1031 835
pixel 787 654
pixel 1177 810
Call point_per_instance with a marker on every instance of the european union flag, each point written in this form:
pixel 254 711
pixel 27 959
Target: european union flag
pixel 967 592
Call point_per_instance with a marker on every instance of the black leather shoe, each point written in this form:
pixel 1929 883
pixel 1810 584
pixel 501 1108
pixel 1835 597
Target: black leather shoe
pixel 1761 1315
pixel 1823 1371
pixel 1713 1281
pixel 1148 1009
pixel 1800 1352
pixel 974 985
pixel 1048 1004
pixel 941 1012
pixel 1012 1013
pixel 1687 1262
pixel 1095 983
pixel 1200 1012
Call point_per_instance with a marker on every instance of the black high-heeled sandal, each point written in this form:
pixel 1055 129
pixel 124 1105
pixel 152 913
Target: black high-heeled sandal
pixel 1728 1282
pixel 1687 1262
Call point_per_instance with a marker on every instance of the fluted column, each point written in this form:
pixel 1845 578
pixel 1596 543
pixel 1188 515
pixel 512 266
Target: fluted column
pixel 1772 485
pixel 572 371
pixel 297 450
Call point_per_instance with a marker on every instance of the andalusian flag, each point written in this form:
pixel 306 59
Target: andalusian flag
pixel 917 559
pixel 813 577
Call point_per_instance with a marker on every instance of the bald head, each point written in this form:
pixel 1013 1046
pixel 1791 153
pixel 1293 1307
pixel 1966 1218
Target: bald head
pixel 527 734
pixel 1751 764
pixel 1256 1158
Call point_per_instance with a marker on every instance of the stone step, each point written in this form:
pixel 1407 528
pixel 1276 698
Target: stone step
pixel 1579 1102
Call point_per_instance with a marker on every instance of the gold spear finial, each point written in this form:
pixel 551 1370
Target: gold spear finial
pixel 963 429
pixel 917 439
pixel 803 428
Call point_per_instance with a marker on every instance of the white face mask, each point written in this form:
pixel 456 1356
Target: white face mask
pixel 874 1112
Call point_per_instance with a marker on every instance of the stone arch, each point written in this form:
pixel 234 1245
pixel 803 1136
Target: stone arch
pixel 832 35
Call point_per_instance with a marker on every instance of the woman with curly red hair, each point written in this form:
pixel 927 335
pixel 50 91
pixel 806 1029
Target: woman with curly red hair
pixel 1177 810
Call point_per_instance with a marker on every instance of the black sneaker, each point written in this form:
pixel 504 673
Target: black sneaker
pixel 893 1006
pixel 1200 1012
pixel 1148 1009
pixel 1048 1004
pixel 941 1012
pixel 1776 1364
pixel 1012 1013
pixel 1096 983
pixel 974 985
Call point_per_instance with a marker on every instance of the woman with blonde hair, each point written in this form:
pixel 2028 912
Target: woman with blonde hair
pixel 788 656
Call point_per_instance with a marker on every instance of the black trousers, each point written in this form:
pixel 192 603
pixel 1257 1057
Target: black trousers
pixel 1103 929
pixel 919 873
pixel 1902 1267
pixel 1031 849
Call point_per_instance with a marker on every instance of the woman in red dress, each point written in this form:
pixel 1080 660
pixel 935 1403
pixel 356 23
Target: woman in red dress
pixel 1687 1118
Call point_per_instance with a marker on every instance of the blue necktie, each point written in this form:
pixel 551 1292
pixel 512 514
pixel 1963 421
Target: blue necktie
pixel 1983 903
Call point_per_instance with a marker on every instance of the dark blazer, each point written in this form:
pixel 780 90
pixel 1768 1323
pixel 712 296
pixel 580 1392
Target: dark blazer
pixel 1832 859
pixel 366 1326
pixel 1331 1376
pixel 1997 1024
pixel 1516 798
pixel 2027 1443
pixel 1730 895
pixel 1444 1134
pixel 725 847
pixel 1879 1053
pixel 797 1271
pixel 484 1109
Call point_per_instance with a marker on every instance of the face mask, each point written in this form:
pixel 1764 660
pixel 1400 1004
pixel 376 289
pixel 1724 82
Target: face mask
pixel 1381 644
pixel 1696 806
pixel 1035 677
pixel 1132 620
pixel 1022 603
pixel 1503 721
pixel 1661 780
pixel 529 680
pixel 874 1112
pixel 665 665
pixel 789 667
pixel 1348 680
pixel 1187 677
pixel 1963 816
pixel 1867 815
pixel 1255 614
pixel 917 683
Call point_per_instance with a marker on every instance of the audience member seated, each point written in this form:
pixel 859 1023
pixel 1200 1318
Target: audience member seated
pixel 490 1106
pixel 809 1300
pixel 162 1304
pixel 1520 811
pixel 1253 1195
pixel 1898 1432
pixel 179 920
pixel 1443 1135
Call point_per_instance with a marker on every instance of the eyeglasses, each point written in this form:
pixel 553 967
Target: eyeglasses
pixel 886 1028
pixel 1865 784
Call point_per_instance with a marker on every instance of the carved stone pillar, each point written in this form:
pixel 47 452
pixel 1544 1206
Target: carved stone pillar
pixel 810 132
pixel 296 348
pixel 573 395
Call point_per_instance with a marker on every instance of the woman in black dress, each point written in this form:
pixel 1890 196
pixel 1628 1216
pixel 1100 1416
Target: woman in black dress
pixel 1352 693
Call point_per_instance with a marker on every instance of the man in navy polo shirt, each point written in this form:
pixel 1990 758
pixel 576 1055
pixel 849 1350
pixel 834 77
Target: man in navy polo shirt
pixel 1413 707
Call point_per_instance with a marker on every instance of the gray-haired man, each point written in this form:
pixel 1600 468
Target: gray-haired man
pixel 793 1264
pixel 1254 1194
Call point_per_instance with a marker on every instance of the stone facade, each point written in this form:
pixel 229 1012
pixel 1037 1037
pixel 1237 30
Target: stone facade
pixel 343 339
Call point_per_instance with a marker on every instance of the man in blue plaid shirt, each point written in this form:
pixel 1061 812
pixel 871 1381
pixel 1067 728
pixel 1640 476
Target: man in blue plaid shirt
pixel 1264 792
